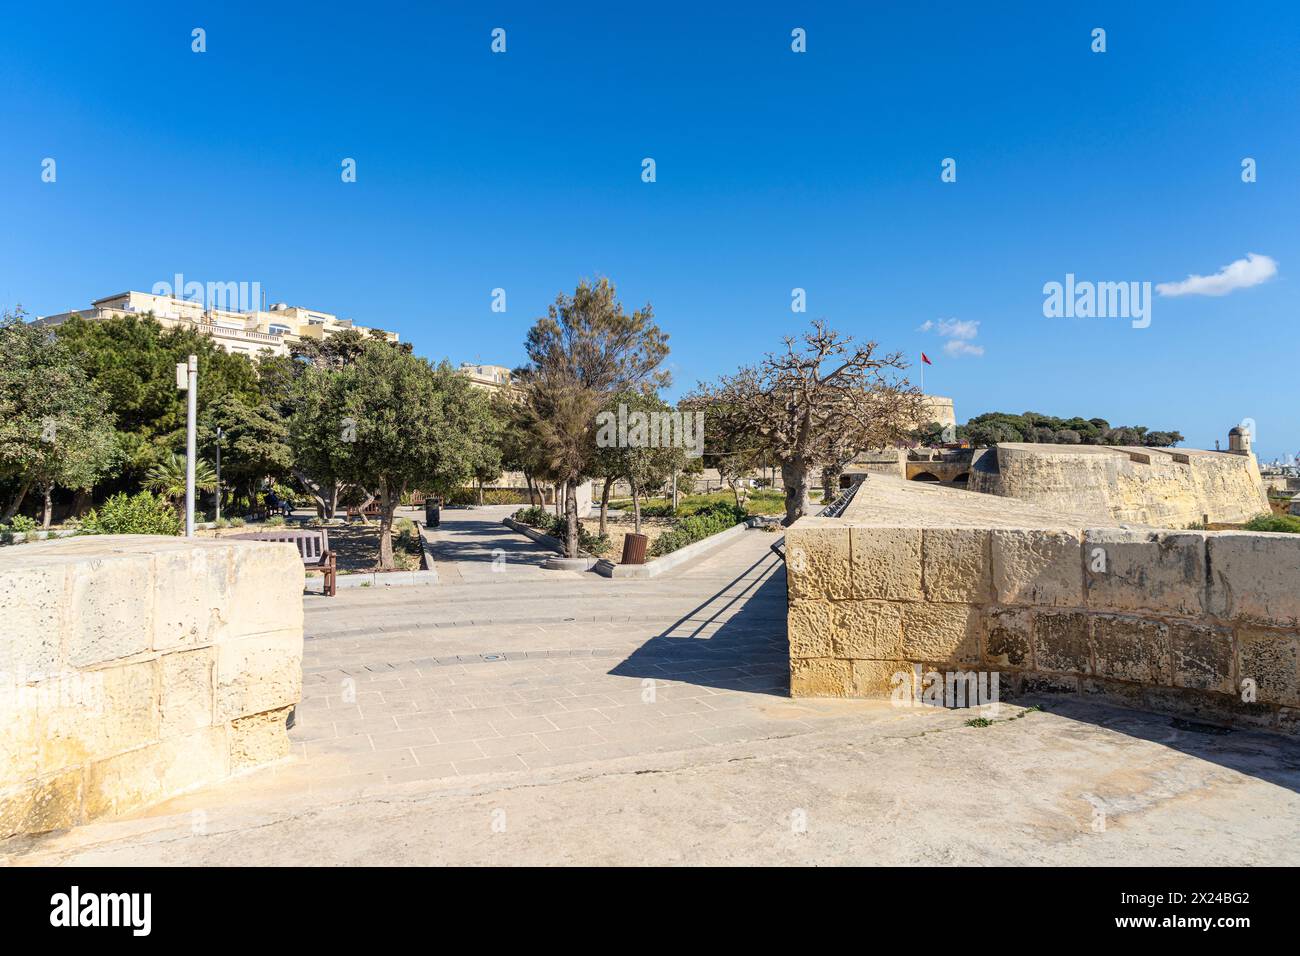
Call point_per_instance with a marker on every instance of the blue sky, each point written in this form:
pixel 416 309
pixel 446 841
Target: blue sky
pixel 775 170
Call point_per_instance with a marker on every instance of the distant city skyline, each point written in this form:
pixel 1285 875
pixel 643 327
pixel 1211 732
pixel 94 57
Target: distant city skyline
pixel 779 176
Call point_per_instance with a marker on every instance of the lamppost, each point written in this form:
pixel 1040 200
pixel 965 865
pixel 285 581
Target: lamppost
pixel 219 434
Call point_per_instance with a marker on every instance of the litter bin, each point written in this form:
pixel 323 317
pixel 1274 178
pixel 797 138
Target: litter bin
pixel 432 512
pixel 634 548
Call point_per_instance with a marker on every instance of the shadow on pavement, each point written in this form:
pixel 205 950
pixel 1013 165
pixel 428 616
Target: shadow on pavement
pixel 734 640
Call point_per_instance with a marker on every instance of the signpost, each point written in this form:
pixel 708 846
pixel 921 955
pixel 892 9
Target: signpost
pixel 187 379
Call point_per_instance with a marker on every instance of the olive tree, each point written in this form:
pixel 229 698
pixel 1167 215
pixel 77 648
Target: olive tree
pixel 392 421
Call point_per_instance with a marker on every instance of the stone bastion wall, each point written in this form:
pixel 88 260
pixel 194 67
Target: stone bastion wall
pixel 1167 487
pixel 922 578
pixel 137 667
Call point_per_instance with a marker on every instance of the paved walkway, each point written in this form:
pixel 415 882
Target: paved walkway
pixel 514 715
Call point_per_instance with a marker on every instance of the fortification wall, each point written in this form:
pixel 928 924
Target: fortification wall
pixel 133 668
pixel 923 580
pixel 1155 486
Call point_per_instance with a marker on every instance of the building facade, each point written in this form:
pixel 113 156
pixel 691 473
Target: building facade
pixel 248 333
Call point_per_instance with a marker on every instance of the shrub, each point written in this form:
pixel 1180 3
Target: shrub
pixel 144 513
pixel 708 521
pixel 221 523
pixel 491 496
pixel 275 521
pixel 546 521
pixel 1288 524
pixel 236 522
pixel 21 524
pixel 503 496
pixel 535 517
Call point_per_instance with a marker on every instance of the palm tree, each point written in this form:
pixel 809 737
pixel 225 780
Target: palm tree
pixel 167 478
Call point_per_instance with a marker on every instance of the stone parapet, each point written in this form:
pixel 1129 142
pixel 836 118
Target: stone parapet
pixel 134 667
pixel 1201 624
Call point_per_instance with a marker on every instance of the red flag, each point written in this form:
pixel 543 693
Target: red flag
pixel 926 359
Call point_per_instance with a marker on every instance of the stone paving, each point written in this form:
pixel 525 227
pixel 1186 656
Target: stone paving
pixel 521 716
pixel 481 674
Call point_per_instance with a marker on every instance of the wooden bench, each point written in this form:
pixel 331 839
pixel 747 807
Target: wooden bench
pixel 313 548
pixel 371 511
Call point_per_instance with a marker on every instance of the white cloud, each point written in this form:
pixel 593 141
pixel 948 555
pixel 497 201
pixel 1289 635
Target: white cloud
pixel 958 333
pixel 1241 274
pixel 956 347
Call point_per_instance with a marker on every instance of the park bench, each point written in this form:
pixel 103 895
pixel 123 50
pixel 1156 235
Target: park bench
pixel 313 548
pixel 371 510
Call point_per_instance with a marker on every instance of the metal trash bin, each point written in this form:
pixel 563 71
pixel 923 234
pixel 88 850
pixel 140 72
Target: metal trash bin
pixel 432 512
pixel 634 546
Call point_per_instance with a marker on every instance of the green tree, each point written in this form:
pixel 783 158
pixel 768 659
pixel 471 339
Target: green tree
pixel 391 421
pixel 53 430
pixel 132 361
pixel 632 451
pixel 254 442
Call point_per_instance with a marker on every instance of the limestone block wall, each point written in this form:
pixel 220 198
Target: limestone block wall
pixel 1201 624
pixel 133 668
pixel 1168 487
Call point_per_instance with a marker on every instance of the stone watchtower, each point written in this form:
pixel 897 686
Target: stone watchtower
pixel 1239 440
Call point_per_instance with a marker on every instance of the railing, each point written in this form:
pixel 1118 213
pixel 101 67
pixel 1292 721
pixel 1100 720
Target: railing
pixel 221 330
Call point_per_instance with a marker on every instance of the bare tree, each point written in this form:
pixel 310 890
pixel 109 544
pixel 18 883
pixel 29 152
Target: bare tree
pixel 816 402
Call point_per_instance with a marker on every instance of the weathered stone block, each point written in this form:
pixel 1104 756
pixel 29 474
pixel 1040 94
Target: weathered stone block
pixel 148 774
pixel 186 690
pixel 1269 658
pixel 886 563
pixel 941 633
pixel 259 739
pixel 1048 684
pixel 1112 691
pixel 259 673
pixel 1009 641
pixel 38 806
pixel 1207 707
pixel 111 602
pixel 1061 642
pixel 957 565
pixel 822 677
pixel 1037 567
pixel 1150 571
pixel 871 630
pixel 271 603
pixel 818 564
pixel 1253 576
pixel 88 715
pixel 20 740
pixel 192 597
pixel 810 626
pixel 1202 657
pixel 33 602
pixel 1131 648
pixel 882 679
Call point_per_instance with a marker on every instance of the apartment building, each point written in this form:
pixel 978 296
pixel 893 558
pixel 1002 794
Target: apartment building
pixel 492 378
pixel 275 328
